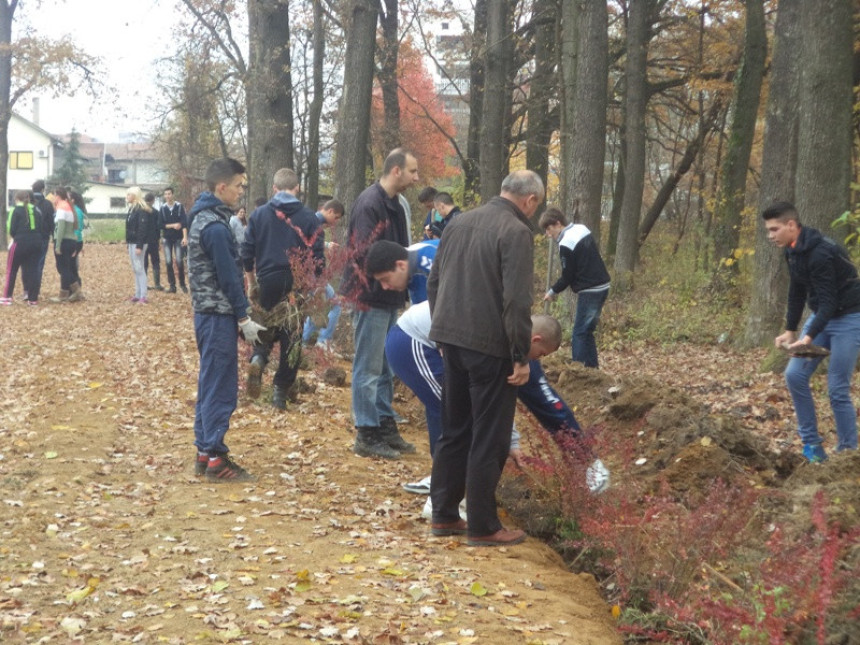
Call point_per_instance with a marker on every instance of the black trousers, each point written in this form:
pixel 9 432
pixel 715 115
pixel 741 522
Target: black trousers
pixel 28 250
pixel 478 408
pixel 273 289
pixel 152 254
pixel 67 266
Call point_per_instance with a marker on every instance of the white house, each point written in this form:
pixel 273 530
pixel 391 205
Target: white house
pixel 105 199
pixel 31 155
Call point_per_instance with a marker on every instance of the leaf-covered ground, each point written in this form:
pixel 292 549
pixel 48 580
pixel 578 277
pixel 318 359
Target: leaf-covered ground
pixel 107 536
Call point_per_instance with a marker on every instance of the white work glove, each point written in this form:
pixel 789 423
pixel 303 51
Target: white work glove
pixel 251 331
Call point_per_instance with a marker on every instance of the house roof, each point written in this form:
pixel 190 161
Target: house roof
pixel 30 124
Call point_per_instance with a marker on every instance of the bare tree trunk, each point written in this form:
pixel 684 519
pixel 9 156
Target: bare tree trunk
pixel 584 191
pixel 388 75
pixel 778 167
pixel 635 102
pixel 269 93
pixel 354 126
pixel 823 179
pixel 570 37
pixel 315 108
pixel 7 14
pixel 541 89
pixel 472 170
pixel 617 198
pixel 492 144
pixel 728 213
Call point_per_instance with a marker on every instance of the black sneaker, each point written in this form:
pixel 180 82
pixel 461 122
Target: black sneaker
pixel 184 288
pixel 368 443
pixel 389 433
pixel 200 465
pixel 171 289
pixel 223 469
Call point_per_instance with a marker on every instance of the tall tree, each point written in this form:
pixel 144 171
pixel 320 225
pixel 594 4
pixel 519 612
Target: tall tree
pixel 728 215
pixel 477 71
pixel 496 99
pixel 312 182
pixel 388 55
pixel 778 167
pixel 583 189
pixel 823 179
pixel 7 14
pixel 639 20
pixel 353 131
pixel 269 93
pixel 541 88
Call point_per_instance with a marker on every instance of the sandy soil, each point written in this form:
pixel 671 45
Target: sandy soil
pixel 107 536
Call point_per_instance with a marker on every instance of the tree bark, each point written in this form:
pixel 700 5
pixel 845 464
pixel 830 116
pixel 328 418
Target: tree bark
pixel 541 89
pixel 584 191
pixel 7 14
pixel 728 215
pixel 316 106
pixel 269 93
pixel 778 166
pixel 570 37
pixel 472 169
pixel 492 143
pixel 823 179
pixel 635 102
pixel 354 126
pixel 387 75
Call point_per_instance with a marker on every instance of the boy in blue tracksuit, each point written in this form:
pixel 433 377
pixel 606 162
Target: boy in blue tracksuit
pixel 397 268
pixel 220 310
pixel 416 360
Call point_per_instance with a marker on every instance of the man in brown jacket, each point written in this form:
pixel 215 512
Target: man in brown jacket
pixel 480 293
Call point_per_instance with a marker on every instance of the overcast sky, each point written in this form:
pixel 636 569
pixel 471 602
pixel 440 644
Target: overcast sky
pixel 128 36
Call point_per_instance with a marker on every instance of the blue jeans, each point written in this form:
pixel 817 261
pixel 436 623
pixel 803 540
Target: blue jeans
pixel 333 316
pixel 372 379
pixel 218 381
pixel 842 337
pixel 583 347
pixel 173 251
pixel 138 269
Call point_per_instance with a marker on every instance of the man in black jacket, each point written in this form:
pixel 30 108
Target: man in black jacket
pixel 46 208
pixel 283 237
pixel 823 277
pixel 153 238
pixel 480 293
pixel 376 215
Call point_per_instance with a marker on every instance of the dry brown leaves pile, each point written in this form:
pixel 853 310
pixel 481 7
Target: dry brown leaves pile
pixel 107 536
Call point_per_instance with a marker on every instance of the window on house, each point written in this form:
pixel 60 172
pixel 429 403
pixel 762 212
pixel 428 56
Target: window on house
pixel 117 202
pixel 20 160
pixel 116 175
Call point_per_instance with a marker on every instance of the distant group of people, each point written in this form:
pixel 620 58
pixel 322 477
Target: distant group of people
pixel 31 224
pixel 146 229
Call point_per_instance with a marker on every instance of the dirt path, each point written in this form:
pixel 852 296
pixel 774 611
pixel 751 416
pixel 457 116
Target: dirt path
pixel 108 537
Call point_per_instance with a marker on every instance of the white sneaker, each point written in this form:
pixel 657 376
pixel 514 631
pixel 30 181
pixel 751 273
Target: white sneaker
pixel 419 488
pixel 427 511
pixel 597 477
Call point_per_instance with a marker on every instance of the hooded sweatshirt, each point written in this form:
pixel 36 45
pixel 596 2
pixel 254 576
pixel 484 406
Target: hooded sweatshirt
pixel 278 234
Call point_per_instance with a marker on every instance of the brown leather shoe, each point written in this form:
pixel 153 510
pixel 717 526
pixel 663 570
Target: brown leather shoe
pixel 443 529
pixel 502 537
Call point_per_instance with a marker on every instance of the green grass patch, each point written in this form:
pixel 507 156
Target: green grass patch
pixel 106 230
